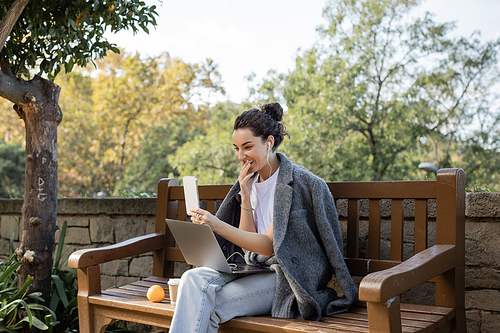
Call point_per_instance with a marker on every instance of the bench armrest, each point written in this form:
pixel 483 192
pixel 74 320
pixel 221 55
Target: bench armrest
pixel 134 246
pixel 381 286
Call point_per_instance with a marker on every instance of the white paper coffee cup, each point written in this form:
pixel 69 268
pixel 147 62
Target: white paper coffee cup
pixel 173 285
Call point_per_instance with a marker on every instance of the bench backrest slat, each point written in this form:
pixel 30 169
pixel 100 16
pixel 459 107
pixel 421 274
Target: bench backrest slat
pixel 352 228
pixel 397 220
pixel 415 189
pixel 421 225
pixel 374 218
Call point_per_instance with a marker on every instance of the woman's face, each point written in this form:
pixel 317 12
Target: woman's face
pixel 250 148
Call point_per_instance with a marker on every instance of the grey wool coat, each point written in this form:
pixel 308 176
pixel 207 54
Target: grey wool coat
pixel 307 242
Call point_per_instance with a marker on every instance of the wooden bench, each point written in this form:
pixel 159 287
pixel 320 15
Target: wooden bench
pixel 383 280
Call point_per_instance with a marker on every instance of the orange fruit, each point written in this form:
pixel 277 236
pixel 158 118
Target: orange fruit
pixel 156 293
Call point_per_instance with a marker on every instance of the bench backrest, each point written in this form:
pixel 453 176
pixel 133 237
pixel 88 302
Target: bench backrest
pixel 448 190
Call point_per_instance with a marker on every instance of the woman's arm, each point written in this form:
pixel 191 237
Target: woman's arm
pixel 248 240
pixel 247 222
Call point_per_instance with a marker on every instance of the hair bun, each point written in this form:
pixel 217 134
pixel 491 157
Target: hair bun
pixel 274 110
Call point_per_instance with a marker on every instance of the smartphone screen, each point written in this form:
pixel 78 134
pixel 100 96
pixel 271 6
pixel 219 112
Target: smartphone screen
pixel 191 193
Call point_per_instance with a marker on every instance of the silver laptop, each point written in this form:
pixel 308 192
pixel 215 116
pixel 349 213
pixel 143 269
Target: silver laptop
pixel 200 248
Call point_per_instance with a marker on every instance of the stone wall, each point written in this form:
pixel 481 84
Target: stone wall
pixel 93 223
pixel 100 222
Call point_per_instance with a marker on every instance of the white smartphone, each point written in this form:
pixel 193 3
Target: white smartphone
pixel 191 193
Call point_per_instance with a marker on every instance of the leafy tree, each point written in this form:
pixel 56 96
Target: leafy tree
pixel 44 37
pixel 210 156
pixel 364 103
pixel 11 170
pixel 109 122
pixel 153 162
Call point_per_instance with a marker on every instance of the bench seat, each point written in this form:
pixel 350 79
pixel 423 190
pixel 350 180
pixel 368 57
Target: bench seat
pixel 130 304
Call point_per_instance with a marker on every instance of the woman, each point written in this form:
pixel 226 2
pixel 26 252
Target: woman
pixel 280 215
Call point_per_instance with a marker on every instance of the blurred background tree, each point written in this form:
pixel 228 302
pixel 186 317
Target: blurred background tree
pixel 125 117
pixel 383 90
pixel 210 155
pixel 11 170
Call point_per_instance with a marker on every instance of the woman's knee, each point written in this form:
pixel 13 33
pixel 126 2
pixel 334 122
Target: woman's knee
pixel 199 276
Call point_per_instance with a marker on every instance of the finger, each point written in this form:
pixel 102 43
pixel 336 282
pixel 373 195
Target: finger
pixel 193 212
pixel 244 169
pixel 247 177
pixel 246 165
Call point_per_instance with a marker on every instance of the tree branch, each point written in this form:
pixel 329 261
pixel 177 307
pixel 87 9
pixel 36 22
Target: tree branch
pixel 10 20
pixel 5 68
pixel 11 87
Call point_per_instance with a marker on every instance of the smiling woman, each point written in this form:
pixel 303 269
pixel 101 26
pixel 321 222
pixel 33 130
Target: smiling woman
pixel 273 206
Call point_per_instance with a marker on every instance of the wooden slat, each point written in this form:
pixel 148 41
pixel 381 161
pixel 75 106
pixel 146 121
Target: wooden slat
pixel 420 225
pixel 412 323
pixel 132 287
pixel 205 192
pixel 211 206
pixel 352 228
pixel 141 305
pixel 429 316
pixel 420 189
pixel 271 325
pixel 362 267
pixel 148 284
pixel 374 218
pixel 120 291
pixel 397 230
pixel 448 313
pixel 181 215
pixel 156 279
pixel 174 254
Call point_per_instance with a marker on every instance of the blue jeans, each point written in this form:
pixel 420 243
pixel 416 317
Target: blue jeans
pixel 207 298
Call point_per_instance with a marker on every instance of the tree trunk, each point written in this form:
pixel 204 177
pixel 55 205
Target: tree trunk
pixel 41 114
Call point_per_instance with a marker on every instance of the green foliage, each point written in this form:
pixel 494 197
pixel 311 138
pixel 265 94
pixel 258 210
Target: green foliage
pixel 12 162
pixel 63 300
pixel 18 308
pixel 479 189
pixel 128 193
pixel 153 162
pixel 383 91
pixel 210 156
pixel 55 35
pixel 123 119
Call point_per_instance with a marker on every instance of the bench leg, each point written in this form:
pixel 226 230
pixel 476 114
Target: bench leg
pixel 90 323
pixel 384 317
pixel 100 323
pixel 89 283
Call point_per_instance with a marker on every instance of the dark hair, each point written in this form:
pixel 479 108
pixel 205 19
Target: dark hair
pixel 264 122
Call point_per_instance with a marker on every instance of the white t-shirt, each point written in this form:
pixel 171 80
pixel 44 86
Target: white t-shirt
pixel 262 200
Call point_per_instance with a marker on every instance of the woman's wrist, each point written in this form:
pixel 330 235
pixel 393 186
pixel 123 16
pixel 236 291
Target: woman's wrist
pixel 217 225
pixel 246 204
pixel 246 208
